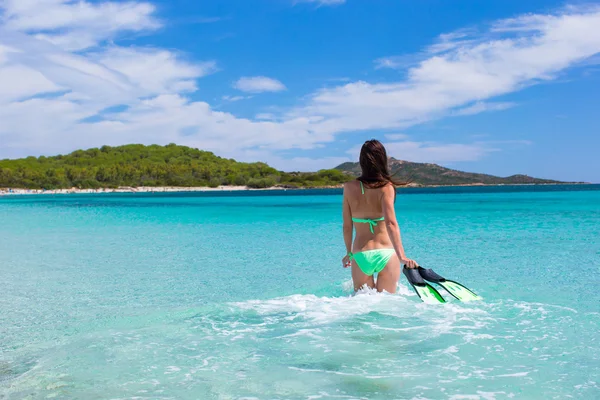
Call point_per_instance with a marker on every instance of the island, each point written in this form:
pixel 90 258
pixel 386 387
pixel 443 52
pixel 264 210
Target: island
pixel 137 167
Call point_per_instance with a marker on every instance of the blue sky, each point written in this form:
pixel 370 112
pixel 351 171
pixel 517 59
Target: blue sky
pixel 500 87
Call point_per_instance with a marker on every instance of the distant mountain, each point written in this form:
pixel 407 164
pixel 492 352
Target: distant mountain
pixel 433 174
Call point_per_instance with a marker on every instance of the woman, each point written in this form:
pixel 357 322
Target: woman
pixel 369 208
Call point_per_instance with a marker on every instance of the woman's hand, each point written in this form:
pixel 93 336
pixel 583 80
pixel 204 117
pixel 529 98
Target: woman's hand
pixel 346 261
pixel 408 263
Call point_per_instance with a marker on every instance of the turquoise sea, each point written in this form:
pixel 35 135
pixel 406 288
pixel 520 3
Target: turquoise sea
pixel 242 296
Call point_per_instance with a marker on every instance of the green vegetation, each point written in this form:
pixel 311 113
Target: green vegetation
pixel 138 165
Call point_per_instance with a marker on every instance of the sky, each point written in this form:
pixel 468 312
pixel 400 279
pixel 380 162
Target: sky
pixel 499 86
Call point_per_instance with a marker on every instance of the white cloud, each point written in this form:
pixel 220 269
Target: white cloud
pixel 108 77
pixel 265 116
pixel 18 81
pixel 434 152
pixel 518 142
pixel 396 62
pixel 470 71
pixel 396 136
pixel 75 24
pixel 307 163
pixel 258 84
pixel 444 43
pixel 235 98
pixel 454 40
pixel 291 164
pixel 154 70
pixel 481 106
pixel 54 99
pixel 402 148
pixel 322 2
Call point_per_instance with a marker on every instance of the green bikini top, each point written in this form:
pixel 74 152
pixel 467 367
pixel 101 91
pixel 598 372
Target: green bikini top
pixel 372 222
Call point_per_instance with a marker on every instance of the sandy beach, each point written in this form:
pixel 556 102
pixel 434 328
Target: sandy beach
pixel 174 189
pixel 127 189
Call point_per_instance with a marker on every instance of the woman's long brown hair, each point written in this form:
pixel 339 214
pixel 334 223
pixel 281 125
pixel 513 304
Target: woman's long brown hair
pixel 374 164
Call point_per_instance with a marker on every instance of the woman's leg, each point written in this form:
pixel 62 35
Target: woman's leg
pixel 360 279
pixel 388 278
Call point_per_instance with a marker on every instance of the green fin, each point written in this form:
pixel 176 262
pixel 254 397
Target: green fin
pixel 459 291
pixel 429 294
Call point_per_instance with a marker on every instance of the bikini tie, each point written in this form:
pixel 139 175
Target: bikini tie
pixel 372 225
pixel 372 222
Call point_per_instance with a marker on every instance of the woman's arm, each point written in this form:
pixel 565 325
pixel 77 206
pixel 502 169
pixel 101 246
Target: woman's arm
pixel 347 227
pixel 389 213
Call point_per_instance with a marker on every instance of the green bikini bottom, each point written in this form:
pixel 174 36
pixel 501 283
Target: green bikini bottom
pixel 372 261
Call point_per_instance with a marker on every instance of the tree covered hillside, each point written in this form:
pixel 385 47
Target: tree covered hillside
pixel 139 165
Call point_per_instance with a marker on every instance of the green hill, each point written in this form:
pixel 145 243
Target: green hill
pixel 433 174
pixel 139 165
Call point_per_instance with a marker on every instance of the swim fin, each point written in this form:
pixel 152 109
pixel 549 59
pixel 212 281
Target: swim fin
pixel 460 292
pixel 424 290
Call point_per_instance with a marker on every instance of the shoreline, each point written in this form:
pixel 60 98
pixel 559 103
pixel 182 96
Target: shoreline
pixel 128 189
pixel 180 189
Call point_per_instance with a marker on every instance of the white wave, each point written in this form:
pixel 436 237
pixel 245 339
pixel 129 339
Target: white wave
pixel 348 287
pixel 479 396
pixel 515 375
pixel 302 315
pixel 324 309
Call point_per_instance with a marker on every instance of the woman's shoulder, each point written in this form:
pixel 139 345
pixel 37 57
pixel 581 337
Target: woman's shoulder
pixel 351 184
pixel 388 189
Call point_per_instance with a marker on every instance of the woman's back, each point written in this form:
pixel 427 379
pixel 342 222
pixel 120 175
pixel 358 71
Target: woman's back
pixel 367 215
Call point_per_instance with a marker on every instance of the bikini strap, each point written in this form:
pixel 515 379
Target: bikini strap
pixel 362 188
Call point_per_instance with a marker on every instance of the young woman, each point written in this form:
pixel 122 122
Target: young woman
pixel 369 208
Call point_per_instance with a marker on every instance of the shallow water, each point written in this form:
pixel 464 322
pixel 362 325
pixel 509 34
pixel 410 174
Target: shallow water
pixel 231 296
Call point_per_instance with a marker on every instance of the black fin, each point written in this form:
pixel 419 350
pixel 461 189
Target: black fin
pixel 413 276
pixel 430 275
pixel 424 290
